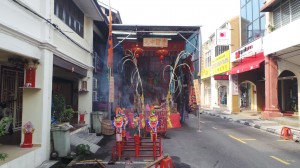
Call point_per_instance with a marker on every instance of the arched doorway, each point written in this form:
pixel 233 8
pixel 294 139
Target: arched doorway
pixel 288 92
pixel 222 96
pixel 247 96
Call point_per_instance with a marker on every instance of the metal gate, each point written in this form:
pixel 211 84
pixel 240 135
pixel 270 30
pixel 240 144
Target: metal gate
pixel 11 80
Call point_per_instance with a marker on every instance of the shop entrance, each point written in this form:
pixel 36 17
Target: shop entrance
pixel 247 96
pixel 222 96
pixel 288 91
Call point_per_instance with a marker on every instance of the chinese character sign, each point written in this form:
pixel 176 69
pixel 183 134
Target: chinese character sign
pixel 221 63
pixel 155 42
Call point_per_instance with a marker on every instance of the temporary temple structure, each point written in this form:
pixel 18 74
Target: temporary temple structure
pixel 154 65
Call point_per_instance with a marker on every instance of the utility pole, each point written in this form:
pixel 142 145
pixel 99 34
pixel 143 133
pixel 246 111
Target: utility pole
pixel 199 76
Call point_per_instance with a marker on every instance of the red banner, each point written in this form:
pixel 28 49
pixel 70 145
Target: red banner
pixel 110 41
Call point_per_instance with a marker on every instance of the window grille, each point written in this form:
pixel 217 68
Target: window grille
pixel 276 18
pixel 95 83
pixel 95 98
pixel 295 7
pixel 285 13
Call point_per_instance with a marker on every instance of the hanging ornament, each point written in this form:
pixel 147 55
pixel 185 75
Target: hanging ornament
pixel 162 53
pixel 137 51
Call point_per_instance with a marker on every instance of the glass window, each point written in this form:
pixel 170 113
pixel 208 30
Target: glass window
pixel 249 12
pixel 243 13
pixel 255 9
pixel 262 25
pixel 250 33
pixel 256 29
pixel 70 14
pixel 243 2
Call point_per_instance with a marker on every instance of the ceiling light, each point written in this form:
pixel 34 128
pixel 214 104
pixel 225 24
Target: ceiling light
pixel 123 32
pixel 163 34
pixel 128 38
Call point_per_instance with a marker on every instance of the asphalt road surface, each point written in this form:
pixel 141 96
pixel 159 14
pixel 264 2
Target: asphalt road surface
pixel 225 144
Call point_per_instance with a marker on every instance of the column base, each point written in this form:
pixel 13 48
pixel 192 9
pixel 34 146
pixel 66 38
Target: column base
pixel 268 114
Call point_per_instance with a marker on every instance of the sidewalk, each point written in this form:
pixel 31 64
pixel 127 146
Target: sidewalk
pixel 254 120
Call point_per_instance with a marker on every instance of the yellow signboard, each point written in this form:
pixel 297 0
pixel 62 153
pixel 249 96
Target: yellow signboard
pixel 205 73
pixel 221 63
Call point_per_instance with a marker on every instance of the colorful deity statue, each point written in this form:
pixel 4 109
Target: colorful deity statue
pixel 118 123
pixel 153 123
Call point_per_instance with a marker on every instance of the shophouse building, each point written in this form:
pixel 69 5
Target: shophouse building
pixel 46 48
pixel 216 63
pixel 247 69
pixel 282 57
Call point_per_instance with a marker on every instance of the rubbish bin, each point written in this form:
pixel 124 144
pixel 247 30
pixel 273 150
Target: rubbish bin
pixel 61 139
pixel 97 117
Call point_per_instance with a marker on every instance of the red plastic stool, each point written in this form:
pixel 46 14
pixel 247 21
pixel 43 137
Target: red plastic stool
pixel 286 133
pixel 166 163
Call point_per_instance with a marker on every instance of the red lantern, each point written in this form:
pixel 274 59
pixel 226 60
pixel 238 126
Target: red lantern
pixel 162 53
pixel 137 51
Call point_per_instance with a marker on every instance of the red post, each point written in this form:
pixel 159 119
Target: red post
pixel 154 144
pixel 119 150
pixel 137 145
pixel 27 141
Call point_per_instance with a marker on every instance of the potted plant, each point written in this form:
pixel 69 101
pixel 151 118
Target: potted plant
pixel 61 129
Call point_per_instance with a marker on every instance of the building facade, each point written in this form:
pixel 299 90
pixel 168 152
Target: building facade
pixel 282 55
pixel 216 87
pixel 46 48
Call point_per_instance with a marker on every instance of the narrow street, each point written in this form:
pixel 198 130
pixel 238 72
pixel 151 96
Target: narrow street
pixel 228 144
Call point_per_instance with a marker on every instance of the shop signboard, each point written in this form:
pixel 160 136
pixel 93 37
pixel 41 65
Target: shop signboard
pixel 205 73
pixel 197 91
pixel 223 37
pixel 221 63
pixel 155 42
pixel 247 50
pixel 221 77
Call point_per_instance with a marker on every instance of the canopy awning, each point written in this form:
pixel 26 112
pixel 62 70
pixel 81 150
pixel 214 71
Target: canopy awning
pixel 269 6
pixel 248 64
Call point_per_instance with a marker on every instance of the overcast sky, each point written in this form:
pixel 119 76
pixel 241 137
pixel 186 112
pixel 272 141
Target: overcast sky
pixel 210 14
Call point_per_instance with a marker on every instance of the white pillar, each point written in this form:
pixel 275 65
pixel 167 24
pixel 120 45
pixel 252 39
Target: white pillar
pixel 85 99
pixel 37 104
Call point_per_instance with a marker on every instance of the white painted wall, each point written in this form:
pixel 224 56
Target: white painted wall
pixel 21 20
pixel 26 35
pixel 282 38
pixel 85 102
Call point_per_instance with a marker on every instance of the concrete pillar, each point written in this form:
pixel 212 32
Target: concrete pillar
pixel 85 99
pixel 37 104
pixel 271 83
